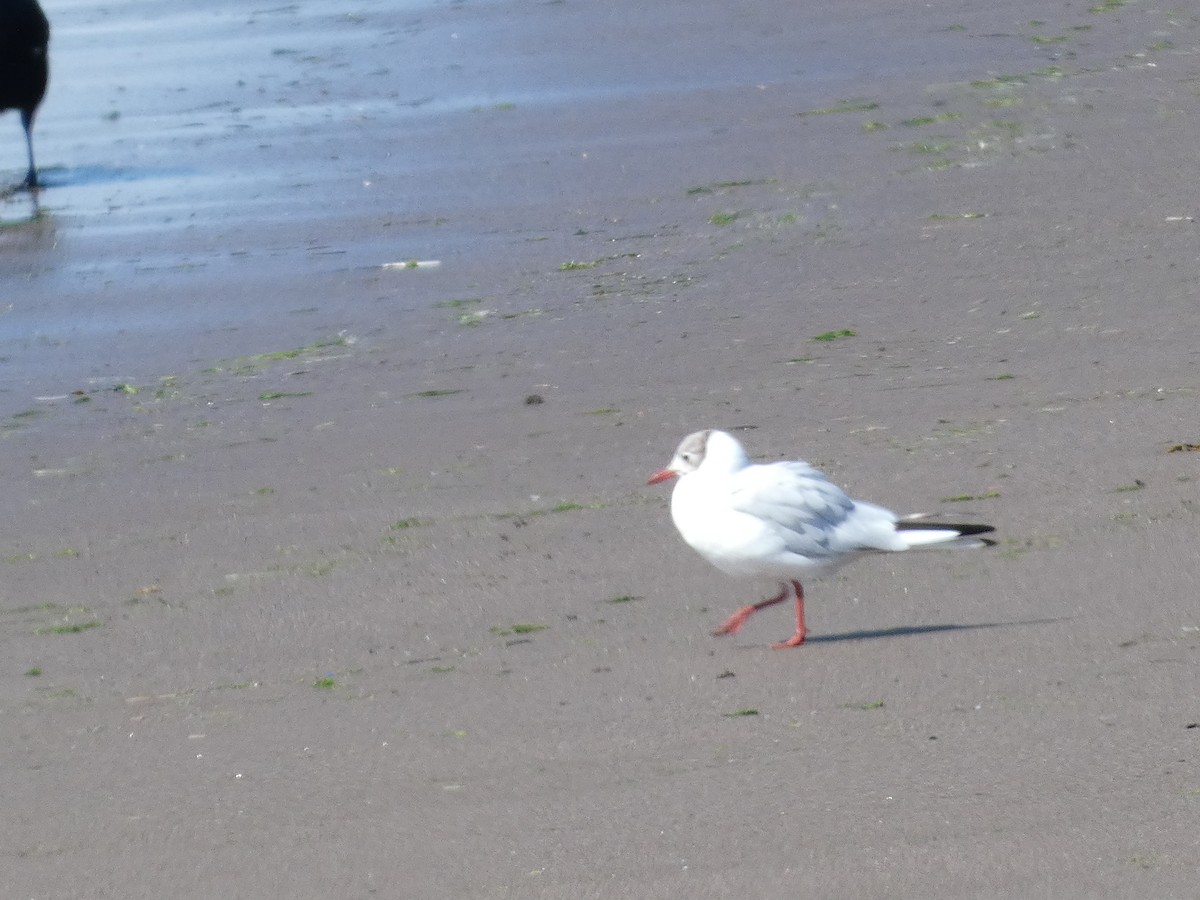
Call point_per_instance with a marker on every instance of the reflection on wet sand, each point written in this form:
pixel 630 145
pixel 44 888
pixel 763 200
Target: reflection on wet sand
pixel 22 215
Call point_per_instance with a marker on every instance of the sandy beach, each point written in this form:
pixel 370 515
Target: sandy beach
pixel 339 346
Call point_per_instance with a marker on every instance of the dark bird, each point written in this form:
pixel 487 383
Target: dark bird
pixel 24 68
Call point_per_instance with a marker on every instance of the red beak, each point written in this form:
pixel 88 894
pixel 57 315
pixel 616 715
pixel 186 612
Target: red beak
pixel 659 477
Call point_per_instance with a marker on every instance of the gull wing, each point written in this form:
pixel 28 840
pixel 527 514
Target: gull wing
pixel 812 516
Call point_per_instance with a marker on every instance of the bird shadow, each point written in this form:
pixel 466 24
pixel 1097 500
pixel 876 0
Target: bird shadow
pixel 914 630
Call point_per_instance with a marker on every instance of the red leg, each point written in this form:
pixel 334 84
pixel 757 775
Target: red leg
pixel 735 622
pixel 801 631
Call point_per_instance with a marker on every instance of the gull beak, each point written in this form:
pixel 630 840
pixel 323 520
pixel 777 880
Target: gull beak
pixel 659 477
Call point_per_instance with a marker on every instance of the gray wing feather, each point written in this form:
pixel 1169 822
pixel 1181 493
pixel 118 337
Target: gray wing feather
pixel 795 501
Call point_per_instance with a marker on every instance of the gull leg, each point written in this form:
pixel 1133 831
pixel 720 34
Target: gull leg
pixel 735 622
pixel 801 631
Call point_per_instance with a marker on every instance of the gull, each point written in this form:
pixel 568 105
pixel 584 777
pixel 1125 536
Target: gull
pixel 783 520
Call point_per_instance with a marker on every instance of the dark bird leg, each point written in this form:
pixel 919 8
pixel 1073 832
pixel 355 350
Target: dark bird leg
pixel 31 179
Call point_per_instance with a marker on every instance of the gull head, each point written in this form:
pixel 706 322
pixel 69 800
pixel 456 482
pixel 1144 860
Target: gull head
pixel 715 450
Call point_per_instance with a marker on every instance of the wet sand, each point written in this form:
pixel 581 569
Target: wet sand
pixel 302 593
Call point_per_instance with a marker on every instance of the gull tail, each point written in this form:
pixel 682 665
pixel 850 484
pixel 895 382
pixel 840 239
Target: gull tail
pixel 942 535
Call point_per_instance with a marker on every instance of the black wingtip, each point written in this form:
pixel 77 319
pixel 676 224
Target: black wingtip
pixel 964 530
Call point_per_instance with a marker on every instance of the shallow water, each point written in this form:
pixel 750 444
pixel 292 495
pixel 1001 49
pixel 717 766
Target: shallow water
pixel 209 173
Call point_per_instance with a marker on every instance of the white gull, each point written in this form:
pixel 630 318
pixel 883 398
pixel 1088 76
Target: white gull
pixel 783 520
